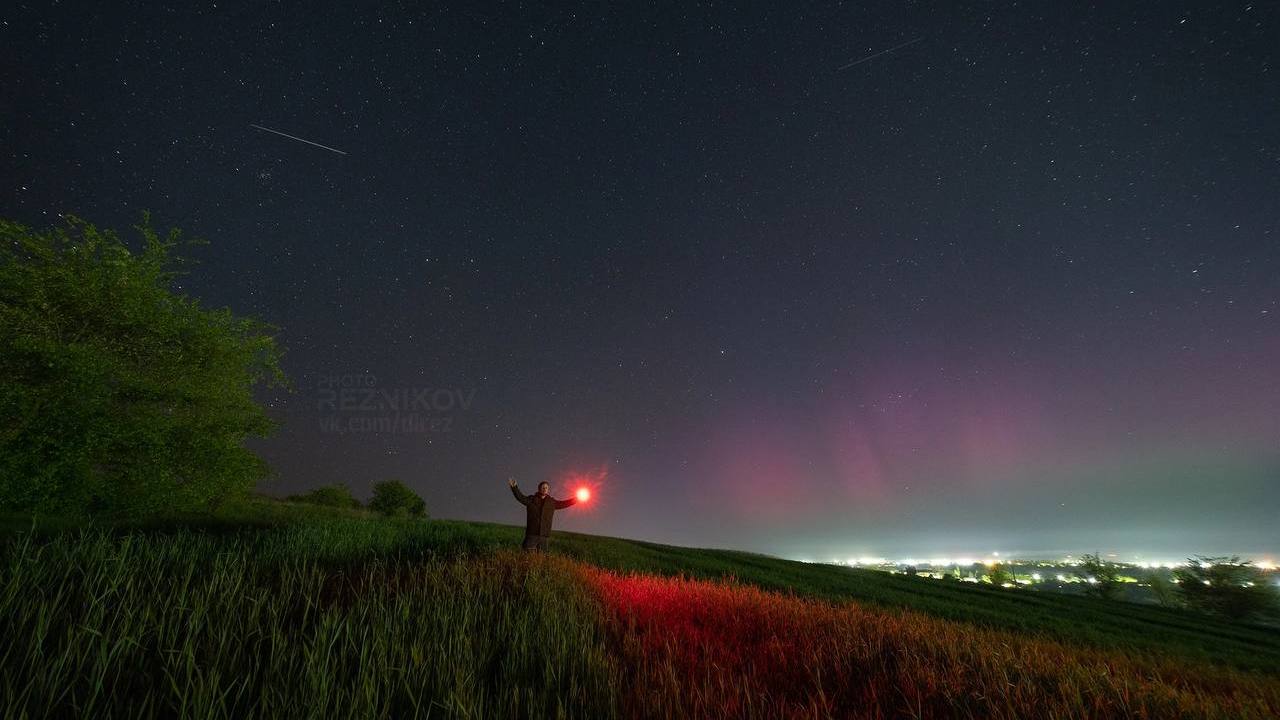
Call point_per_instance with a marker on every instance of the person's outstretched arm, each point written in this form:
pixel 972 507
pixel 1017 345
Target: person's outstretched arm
pixel 562 504
pixel 520 497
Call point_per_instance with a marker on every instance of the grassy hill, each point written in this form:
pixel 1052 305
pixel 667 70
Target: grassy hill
pixel 273 608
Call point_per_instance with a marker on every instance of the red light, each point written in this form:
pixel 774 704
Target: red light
pixel 583 494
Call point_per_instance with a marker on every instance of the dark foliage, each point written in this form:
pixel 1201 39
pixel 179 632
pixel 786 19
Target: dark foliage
pixel 120 396
pixel 1225 586
pixel 1103 578
pixel 337 495
pixel 395 499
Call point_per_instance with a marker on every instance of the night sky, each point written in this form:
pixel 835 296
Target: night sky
pixel 1013 285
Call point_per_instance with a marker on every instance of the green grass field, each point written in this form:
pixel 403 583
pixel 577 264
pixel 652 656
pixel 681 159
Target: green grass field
pixel 270 609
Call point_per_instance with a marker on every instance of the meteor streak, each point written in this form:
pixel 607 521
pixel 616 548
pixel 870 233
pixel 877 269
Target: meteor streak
pixel 294 137
pixel 846 66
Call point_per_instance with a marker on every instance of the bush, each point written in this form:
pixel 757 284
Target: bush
pixel 1162 589
pixel 394 498
pixel 1103 578
pixel 121 397
pixel 337 495
pixel 999 576
pixel 1225 586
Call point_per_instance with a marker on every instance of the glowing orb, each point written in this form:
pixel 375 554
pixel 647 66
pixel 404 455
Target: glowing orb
pixel 583 494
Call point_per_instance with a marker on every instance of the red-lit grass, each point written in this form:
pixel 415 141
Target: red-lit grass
pixel 703 649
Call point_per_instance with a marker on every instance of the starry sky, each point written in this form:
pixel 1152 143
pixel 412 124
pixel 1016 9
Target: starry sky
pixel 813 279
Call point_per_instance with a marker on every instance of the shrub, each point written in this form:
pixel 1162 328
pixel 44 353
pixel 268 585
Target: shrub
pixel 1102 577
pixel 999 576
pixel 1225 586
pixel 120 396
pixel 394 498
pixel 337 495
pixel 1162 589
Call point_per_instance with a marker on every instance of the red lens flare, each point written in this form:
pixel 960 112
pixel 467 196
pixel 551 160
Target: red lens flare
pixel 585 483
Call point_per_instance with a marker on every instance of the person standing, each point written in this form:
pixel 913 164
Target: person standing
pixel 540 508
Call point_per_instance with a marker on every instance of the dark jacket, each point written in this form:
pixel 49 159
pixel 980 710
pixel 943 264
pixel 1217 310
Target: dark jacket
pixel 539 511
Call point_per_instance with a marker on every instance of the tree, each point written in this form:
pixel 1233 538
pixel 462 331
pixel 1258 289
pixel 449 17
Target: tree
pixel 121 396
pixel 1225 586
pixel 999 575
pixel 337 495
pixel 1162 589
pixel 1103 578
pixel 393 498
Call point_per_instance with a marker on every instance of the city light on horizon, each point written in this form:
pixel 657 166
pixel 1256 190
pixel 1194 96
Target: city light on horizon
pixel 1261 562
